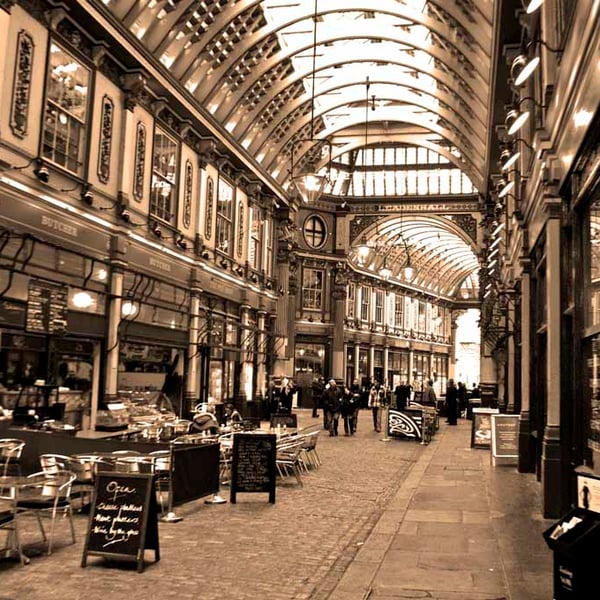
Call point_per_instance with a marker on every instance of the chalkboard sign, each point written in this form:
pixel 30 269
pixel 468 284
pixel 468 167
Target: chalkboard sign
pixel 505 436
pixel 46 307
pixel 253 464
pixel 123 519
pixel 481 431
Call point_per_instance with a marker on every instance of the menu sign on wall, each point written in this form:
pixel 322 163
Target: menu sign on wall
pixel 253 464
pixel 46 307
pixel 123 519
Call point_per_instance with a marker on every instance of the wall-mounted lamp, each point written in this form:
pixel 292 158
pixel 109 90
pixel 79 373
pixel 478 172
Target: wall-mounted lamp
pixel 123 213
pixel 180 242
pixel 503 186
pixel 516 118
pixel 533 6
pixel 41 171
pixel 87 196
pixel 156 230
pixel 510 153
pixel 522 66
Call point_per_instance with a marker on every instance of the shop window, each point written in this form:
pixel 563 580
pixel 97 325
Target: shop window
pixel 163 192
pixel 312 289
pixel 65 116
pixel 224 227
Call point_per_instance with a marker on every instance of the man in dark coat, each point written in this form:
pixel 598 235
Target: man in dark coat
pixel 402 393
pixel 332 402
pixel 451 402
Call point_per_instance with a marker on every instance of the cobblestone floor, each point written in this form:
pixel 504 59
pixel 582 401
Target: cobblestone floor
pixel 297 548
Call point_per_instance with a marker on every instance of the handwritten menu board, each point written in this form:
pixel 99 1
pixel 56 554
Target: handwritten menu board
pixel 253 464
pixel 46 307
pixel 123 519
pixel 505 435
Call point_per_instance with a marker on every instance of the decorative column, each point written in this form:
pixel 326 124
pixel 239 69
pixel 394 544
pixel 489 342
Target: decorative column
pixel 246 365
pixel 357 362
pixel 511 375
pixel 118 249
pixel 192 392
pixel 551 452
pixel 338 295
pixel 287 266
pixel 261 342
pixel 526 441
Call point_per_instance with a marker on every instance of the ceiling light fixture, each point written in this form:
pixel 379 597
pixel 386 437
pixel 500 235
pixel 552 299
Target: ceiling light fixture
pixel 311 179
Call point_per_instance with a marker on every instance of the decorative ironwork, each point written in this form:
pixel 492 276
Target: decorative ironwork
pixel 187 194
pixel 468 224
pixel 140 162
pixel 22 85
pixel 241 215
pixel 108 111
pixel 210 201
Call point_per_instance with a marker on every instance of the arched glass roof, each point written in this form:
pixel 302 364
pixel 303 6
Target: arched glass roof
pixel 401 90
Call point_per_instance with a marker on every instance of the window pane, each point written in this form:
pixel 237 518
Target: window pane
pixel 224 217
pixel 164 170
pixel 312 289
pixel 66 110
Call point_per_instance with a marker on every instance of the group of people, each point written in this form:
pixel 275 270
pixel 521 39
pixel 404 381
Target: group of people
pixel 344 402
pixel 457 400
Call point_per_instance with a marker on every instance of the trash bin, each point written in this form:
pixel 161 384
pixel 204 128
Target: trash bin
pixel 574 540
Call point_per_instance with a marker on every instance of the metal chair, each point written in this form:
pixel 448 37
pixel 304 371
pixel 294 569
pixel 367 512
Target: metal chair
pixel 10 455
pixel 9 522
pixel 51 463
pixel 48 496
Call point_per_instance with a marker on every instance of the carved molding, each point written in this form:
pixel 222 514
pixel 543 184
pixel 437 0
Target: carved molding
pixel 19 114
pixel 210 205
pixel 140 162
pixel 104 151
pixel 187 194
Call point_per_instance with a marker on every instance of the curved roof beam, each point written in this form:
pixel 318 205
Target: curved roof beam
pixel 278 166
pixel 208 92
pixel 418 95
pixel 445 89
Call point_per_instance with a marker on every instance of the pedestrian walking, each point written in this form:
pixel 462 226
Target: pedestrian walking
pixel 348 410
pixel 376 401
pixel 332 402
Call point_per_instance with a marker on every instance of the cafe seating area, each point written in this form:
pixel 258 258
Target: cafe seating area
pixel 63 483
